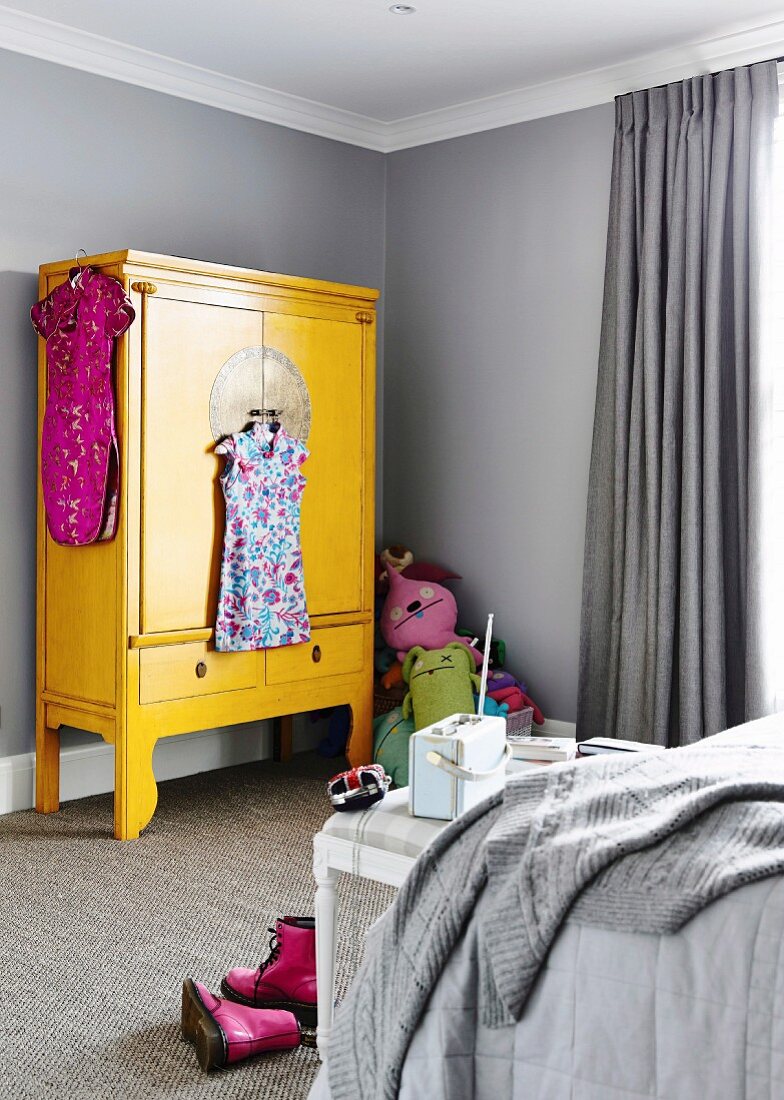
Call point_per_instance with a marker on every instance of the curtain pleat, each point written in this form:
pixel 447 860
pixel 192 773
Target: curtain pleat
pixel 673 619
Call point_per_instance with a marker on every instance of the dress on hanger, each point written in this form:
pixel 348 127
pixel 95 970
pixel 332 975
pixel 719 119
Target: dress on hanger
pixel 262 592
pixel 80 321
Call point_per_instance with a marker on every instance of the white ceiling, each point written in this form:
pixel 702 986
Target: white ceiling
pixel 355 56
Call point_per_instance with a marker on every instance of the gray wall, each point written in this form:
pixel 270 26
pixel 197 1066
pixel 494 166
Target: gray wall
pixel 94 163
pixel 495 261
pixel 495 252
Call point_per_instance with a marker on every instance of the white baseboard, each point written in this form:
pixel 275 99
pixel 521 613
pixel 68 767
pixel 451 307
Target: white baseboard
pixel 554 727
pixel 89 769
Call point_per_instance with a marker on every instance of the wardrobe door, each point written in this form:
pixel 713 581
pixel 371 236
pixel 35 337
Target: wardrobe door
pixel 328 354
pixel 186 344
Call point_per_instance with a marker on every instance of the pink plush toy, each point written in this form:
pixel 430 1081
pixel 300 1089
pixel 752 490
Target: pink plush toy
pixel 417 613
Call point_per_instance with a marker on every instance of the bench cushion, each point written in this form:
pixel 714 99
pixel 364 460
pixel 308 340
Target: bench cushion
pixel 386 825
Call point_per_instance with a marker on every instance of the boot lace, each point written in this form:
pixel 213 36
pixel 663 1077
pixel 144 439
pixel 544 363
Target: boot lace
pixel 274 954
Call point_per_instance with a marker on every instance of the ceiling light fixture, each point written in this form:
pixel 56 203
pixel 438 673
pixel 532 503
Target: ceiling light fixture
pixel 402 9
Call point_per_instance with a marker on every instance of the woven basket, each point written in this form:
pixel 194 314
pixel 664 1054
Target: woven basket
pixel 386 699
pixel 519 722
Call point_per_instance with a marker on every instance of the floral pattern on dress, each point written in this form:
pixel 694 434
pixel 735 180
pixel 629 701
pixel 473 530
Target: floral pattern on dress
pixel 80 321
pixel 262 591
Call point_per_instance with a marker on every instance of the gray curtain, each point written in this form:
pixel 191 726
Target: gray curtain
pixel 673 640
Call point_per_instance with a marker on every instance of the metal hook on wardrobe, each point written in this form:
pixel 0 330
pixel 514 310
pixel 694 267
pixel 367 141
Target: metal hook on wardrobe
pixel 265 415
pixel 270 417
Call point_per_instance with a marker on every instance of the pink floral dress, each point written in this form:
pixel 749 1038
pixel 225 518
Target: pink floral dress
pixel 262 592
pixel 80 321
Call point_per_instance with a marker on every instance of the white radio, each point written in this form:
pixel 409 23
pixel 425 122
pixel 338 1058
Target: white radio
pixel 454 764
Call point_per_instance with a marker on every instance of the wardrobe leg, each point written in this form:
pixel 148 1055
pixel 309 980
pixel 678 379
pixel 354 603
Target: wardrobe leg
pixel 47 768
pixel 286 737
pixel 282 738
pixel 360 739
pixel 135 789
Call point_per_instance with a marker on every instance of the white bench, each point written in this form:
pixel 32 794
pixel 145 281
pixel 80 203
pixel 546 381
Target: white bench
pixel 381 843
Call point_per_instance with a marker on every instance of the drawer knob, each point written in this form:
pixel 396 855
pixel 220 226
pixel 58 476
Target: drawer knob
pixel 316 654
pixel 201 670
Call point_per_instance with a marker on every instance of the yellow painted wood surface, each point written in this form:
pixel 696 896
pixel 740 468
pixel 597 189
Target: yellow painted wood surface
pixel 335 651
pixel 329 356
pixel 81 589
pixel 182 502
pixel 72 714
pixel 182 671
pixel 122 625
pixel 170 637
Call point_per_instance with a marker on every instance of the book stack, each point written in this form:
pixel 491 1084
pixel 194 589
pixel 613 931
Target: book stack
pixel 541 750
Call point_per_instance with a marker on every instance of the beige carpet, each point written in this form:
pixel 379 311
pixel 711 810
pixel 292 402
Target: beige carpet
pixel 96 936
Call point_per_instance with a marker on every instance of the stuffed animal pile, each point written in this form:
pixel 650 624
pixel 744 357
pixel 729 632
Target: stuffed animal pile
pixel 417 613
pixel 440 682
pixel 504 688
pixel 391 732
pixel 417 644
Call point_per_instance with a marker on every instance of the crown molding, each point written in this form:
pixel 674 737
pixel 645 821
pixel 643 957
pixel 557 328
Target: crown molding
pixel 588 89
pixel 92 53
pixel 63 45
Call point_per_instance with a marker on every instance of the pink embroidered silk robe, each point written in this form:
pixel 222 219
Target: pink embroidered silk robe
pixel 79 461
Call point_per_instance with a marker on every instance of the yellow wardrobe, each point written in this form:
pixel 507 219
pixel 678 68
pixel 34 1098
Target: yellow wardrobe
pixel 125 628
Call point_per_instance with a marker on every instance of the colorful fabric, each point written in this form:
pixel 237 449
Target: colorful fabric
pixel 262 592
pixel 431 697
pixel 79 321
pixel 391 732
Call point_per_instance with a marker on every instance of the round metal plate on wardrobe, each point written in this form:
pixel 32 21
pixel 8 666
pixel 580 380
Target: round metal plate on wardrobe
pixel 259 377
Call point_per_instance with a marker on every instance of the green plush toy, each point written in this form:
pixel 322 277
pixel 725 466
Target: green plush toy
pixel 391 732
pixel 441 682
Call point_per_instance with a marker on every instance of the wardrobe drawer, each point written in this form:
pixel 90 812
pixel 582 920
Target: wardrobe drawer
pixel 333 651
pixel 182 671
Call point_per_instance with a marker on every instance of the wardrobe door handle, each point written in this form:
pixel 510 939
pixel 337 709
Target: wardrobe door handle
pixel 201 670
pixel 316 654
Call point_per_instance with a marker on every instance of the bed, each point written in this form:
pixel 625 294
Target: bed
pixel 613 1015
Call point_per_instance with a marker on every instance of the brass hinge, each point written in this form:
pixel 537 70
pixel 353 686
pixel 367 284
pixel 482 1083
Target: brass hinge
pixel 364 317
pixel 144 288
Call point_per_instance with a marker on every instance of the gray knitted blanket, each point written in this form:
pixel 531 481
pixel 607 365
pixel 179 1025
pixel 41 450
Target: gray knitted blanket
pixel 634 844
pixel 638 843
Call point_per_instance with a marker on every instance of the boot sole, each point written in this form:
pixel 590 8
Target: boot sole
pixel 305 1013
pixel 200 1028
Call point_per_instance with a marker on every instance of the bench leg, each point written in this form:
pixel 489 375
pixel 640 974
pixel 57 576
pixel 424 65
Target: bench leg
pixel 326 906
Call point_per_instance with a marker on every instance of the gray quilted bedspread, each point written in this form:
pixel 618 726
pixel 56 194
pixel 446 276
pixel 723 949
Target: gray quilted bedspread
pixel 695 1015
pixel 683 1011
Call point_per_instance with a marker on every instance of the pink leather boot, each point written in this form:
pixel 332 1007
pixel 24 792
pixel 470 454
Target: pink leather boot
pixel 287 979
pixel 224 1033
